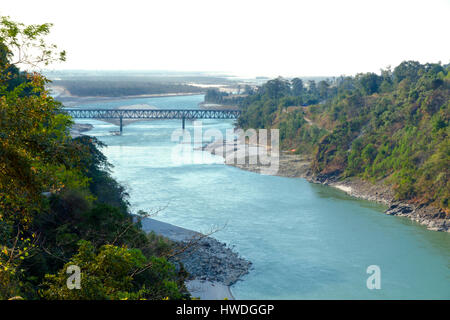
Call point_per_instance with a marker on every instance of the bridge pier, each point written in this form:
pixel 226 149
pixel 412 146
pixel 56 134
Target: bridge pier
pixel 121 126
pixel 183 122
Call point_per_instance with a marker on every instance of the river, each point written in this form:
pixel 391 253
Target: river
pixel 306 241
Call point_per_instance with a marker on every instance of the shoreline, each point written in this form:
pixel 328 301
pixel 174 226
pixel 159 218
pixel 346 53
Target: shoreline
pixel 209 263
pixel 77 129
pixel 216 106
pixel 213 267
pixel 298 166
pixel 432 218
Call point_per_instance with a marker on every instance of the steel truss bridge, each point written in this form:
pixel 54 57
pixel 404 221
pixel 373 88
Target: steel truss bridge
pixel 156 114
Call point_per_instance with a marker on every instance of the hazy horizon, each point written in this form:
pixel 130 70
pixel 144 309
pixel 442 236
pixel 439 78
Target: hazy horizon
pixel 220 74
pixel 249 39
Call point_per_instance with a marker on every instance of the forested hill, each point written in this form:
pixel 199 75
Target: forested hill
pixel 59 205
pixel 392 126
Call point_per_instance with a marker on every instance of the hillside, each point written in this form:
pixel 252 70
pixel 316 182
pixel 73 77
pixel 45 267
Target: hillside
pixel 390 128
pixel 59 205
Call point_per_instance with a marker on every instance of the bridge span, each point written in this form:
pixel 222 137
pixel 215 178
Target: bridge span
pixel 159 114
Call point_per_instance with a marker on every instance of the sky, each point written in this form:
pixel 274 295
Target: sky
pixel 242 37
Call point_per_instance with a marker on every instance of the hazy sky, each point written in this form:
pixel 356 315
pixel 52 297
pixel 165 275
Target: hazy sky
pixel 278 37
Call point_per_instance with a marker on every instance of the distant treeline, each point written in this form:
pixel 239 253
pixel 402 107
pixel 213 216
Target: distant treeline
pixel 300 92
pixel 138 76
pixel 220 97
pixel 122 88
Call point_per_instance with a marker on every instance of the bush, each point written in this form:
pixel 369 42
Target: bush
pixel 114 273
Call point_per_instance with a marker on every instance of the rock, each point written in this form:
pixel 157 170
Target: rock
pixel 399 209
pixel 77 129
pixel 213 261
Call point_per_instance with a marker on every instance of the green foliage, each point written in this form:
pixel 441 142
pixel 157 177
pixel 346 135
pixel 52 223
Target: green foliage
pixel 392 127
pixel 215 96
pixel 403 135
pixel 117 88
pixel 111 273
pixel 219 97
pixel 58 201
pixel 26 44
pixel 297 87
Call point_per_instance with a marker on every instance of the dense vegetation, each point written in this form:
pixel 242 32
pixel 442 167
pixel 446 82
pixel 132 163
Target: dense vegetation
pixel 392 126
pixel 117 88
pixel 219 97
pixel 59 205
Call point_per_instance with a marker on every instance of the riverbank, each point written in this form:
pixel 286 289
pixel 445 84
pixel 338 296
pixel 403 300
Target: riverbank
pixel 298 166
pixel 215 106
pixel 77 129
pixel 431 217
pixel 213 267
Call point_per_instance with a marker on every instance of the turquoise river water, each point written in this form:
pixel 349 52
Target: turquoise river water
pixel 306 241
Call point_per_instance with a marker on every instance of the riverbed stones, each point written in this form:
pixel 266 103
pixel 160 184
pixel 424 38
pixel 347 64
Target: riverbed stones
pixel 212 260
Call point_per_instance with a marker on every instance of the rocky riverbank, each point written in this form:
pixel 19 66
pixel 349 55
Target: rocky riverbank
pixel 78 128
pixel 213 267
pixel 213 261
pixel 298 166
pixel 433 218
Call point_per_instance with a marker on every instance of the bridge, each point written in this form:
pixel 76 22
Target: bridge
pixel 160 114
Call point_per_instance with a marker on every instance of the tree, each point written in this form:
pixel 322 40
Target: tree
pixel 323 87
pixel 297 86
pixel 112 274
pixel 31 130
pixel 214 96
pixel 407 70
pixel 369 82
pixel 248 89
pixel 276 88
pixel 392 126
pixel 312 87
pixel 26 45
pixel 56 191
pixel 35 151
